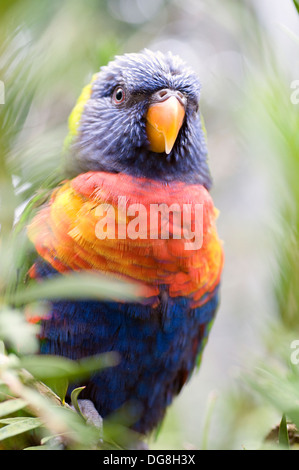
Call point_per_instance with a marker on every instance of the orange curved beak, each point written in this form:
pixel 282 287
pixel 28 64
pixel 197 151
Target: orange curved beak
pixel 163 123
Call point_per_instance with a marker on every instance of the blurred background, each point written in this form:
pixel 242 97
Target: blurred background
pixel 246 54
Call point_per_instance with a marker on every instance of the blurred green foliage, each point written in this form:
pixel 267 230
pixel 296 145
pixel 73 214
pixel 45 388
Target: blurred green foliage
pixel 33 126
pixel 48 51
pixel 272 113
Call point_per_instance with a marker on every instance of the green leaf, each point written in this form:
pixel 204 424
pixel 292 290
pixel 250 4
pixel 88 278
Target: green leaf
pixel 207 423
pixel 283 436
pixel 281 390
pixel 39 448
pixel 57 367
pixel 74 399
pixel 296 3
pixel 11 420
pixel 11 406
pixel 77 286
pixel 19 427
pixel 58 386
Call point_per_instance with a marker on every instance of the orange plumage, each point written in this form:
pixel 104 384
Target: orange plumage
pixel 65 234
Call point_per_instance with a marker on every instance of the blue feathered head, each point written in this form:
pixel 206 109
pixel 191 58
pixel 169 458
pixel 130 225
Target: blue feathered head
pixel 140 116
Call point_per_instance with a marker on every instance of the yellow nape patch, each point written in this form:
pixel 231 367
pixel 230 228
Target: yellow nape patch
pixel 75 116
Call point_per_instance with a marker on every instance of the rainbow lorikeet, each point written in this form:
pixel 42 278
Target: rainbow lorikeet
pixel 136 206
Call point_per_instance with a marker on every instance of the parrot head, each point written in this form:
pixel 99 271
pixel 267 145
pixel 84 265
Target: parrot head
pixel 139 116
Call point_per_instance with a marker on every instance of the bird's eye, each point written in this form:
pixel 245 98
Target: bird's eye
pixel 119 95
